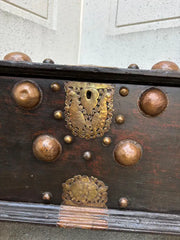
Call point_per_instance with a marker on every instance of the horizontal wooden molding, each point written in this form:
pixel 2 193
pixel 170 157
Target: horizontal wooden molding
pixel 90 218
pixel 90 73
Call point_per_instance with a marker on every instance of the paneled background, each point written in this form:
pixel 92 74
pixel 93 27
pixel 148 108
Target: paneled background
pixel 120 32
pixel 104 32
pixel 41 29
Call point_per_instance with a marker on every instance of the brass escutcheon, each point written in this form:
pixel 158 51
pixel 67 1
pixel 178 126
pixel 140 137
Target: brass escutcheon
pixel 88 108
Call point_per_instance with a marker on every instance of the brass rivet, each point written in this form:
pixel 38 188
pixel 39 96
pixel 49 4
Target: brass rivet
pixel 133 66
pixel 46 196
pixel 166 65
pixel 107 141
pixel 127 152
pixel 55 87
pixel 153 101
pixel 47 148
pixel 123 202
pixel 17 57
pixel 120 119
pixel 48 60
pixel 123 91
pixel 109 95
pixel 87 155
pixel 58 114
pixel 26 94
pixel 68 139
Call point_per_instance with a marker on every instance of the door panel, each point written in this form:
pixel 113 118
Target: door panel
pixel 42 29
pixel 121 32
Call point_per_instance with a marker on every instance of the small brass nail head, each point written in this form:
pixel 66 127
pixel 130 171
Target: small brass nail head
pixel 55 87
pixel 48 60
pixel 46 196
pixel 107 141
pixel 123 202
pixel 120 119
pixel 87 155
pixel 123 91
pixel 133 66
pixel 58 115
pixel 68 139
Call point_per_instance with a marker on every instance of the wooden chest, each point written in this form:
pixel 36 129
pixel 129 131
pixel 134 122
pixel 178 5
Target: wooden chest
pixel 90 147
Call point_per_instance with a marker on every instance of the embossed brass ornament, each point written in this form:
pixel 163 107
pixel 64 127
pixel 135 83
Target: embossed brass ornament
pixel 88 108
pixel 84 191
pixel 153 102
pixel 166 65
pixel 47 148
pixel 26 94
pixel 127 152
pixel 17 57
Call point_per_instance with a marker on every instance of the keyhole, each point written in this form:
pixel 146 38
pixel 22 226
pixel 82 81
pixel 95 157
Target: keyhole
pixel 88 94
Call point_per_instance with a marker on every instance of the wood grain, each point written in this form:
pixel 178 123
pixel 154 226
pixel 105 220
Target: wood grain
pixel 91 73
pixel 151 185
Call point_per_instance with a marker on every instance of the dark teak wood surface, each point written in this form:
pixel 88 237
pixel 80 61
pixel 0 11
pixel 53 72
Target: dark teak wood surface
pixel 152 185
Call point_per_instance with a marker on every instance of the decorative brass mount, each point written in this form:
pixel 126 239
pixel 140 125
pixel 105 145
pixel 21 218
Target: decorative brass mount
pixel 84 191
pixel 88 108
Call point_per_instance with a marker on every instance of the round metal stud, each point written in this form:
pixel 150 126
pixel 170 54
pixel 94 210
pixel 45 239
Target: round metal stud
pixel 47 148
pixel 48 60
pixel 58 115
pixel 123 91
pixel 133 66
pixel 26 94
pixel 106 141
pixel 68 139
pixel 55 87
pixel 120 119
pixel 46 196
pixel 17 57
pixel 87 155
pixel 153 101
pixel 123 202
pixel 127 152
pixel 166 65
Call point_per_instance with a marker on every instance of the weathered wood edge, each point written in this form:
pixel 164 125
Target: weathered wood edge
pixel 90 73
pixel 91 218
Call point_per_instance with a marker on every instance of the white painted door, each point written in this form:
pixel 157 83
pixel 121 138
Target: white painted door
pixel 99 32
pixel 120 32
pixel 41 29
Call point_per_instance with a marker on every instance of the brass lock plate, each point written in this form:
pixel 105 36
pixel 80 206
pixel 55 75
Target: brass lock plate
pixel 88 108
